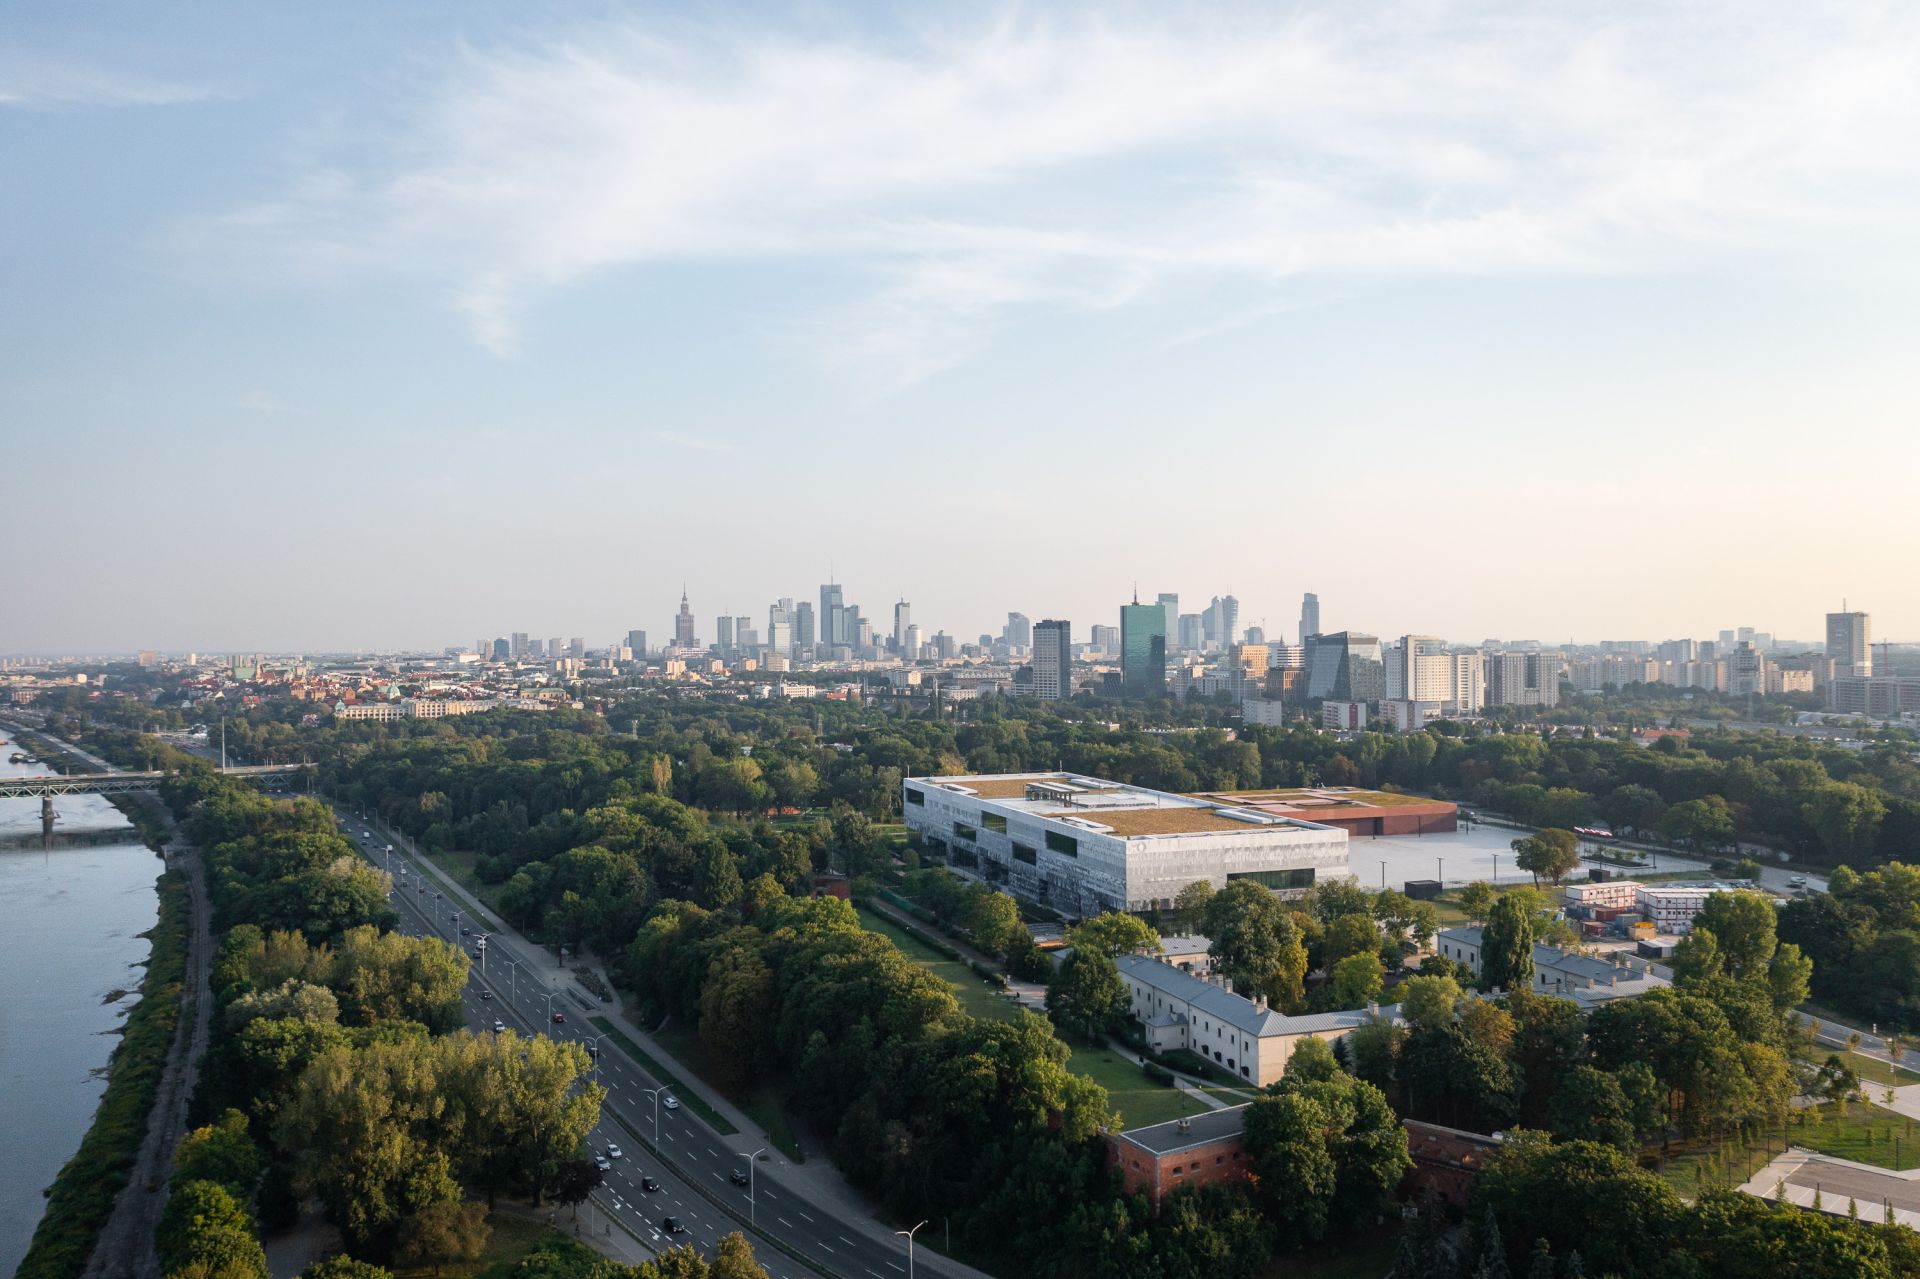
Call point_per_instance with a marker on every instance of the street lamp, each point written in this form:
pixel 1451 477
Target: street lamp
pixel 513 978
pixel 1440 870
pixel 750 1198
pixel 550 1014
pixel 655 1094
pixel 593 1049
pixel 909 1234
pixel 1383 874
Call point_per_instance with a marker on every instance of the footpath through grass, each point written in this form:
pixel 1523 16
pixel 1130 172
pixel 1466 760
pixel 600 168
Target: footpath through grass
pixel 973 991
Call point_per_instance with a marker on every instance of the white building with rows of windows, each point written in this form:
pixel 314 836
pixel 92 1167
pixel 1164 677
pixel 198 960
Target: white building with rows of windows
pixel 1082 845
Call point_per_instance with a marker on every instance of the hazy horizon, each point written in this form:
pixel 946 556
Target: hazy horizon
pixel 377 328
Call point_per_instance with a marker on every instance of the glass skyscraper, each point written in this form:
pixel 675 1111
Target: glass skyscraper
pixel 1346 667
pixel 1143 649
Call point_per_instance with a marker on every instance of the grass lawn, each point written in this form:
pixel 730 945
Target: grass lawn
pixel 714 1118
pixel 1874 1073
pixel 759 1103
pixel 458 867
pixel 1139 1100
pixel 1866 1134
pixel 975 995
pixel 1365 1256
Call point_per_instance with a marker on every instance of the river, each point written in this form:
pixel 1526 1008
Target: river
pixel 70 954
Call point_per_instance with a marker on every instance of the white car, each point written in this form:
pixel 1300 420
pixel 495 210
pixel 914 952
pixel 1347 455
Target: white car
pixel 670 1103
pixel 600 1162
pixel 499 1027
pixel 613 1151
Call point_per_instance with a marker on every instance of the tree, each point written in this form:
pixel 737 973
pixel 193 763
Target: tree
pixel 1788 978
pixel 204 1226
pixel 1087 996
pixel 345 1267
pixel 1553 853
pixel 736 1014
pixel 1590 1105
pixel 1428 1001
pixel 1705 824
pixel 222 1153
pixel 1477 898
pixel 1256 943
pixel 1349 935
pixel 1113 933
pixel 1355 982
pixel 993 921
pixel 1582 1194
pixel 577 1179
pixel 1506 945
pixel 1846 818
pixel 442 1232
pixel 1742 924
pixel 733 1259
pixel 1190 904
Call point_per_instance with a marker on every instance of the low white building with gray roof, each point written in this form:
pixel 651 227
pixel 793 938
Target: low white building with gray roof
pixel 1587 981
pixel 1240 1035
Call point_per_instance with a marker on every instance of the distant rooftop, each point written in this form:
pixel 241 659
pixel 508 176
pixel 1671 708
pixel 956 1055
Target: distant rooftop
pixel 1128 812
pixel 1179 1134
pixel 1330 800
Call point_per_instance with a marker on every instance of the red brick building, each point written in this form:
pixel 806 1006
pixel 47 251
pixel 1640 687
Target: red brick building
pixel 1161 1158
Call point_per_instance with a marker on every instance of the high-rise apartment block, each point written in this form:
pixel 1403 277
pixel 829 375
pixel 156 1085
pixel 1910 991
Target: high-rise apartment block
pixel 1520 678
pixel 1052 660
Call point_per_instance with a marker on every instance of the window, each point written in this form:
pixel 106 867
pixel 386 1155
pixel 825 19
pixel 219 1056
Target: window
pixel 994 821
pixel 1302 878
pixel 916 796
pixel 1026 853
pixel 963 831
pixel 961 857
pixel 1065 845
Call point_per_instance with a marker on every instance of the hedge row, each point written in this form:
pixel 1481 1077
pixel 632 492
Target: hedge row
pixel 81 1197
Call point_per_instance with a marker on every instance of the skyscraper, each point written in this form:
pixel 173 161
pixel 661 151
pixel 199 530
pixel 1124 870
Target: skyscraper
pixel 1052 660
pixel 1850 643
pixel 1309 615
pixel 725 636
pixel 519 643
pixel 637 641
pixel 1019 631
pixel 1143 649
pixel 1220 624
pixel 832 606
pixel 902 620
pixel 1345 667
pixel 803 633
pixel 1170 600
pixel 683 624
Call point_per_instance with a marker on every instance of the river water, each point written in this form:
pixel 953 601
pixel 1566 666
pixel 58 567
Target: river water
pixel 70 953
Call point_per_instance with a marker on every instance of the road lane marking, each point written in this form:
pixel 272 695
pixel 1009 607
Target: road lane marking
pixel 824 1246
pixel 788 1224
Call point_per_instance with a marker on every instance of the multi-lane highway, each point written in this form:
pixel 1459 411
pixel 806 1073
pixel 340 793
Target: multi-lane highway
pixel 694 1165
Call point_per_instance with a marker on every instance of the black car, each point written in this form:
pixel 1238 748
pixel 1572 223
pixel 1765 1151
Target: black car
pixel 649 1185
pixel 486 994
pixel 466 932
pixel 739 1177
pixel 671 1225
pixel 559 1019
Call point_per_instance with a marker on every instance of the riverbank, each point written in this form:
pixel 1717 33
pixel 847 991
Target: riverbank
pixel 82 1197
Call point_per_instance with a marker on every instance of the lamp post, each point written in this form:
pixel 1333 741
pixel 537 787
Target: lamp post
pixel 1440 870
pixel 593 1050
pixel 909 1234
pixel 750 1182
pixel 513 978
pixel 655 1094
pixel 1383 874
pixel 550 1014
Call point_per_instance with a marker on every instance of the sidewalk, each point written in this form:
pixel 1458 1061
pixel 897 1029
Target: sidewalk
pixel 817 1180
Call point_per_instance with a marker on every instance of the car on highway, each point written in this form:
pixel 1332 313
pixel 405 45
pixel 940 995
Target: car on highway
pixel 614 1151
pixel 671 1225
pixel 486 994
pixel 739 1177
pixel 466 932
pixel 671 1103
pixel 602 1163
pixel 649 1184
pixel 499 1027
pixel 559 1019
pixel 1798 881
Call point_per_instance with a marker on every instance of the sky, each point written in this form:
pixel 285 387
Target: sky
pixel 399 325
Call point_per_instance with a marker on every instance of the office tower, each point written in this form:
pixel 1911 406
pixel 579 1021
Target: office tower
pixel 519 643
pixel 577 647
pixel 1019 631
pixel 1052 660
pixel 862 637
pixel 902 620
pixel 502 650
pixel 637 641
pixel 832 603
pixel 1143 649
pixel 724 638
pixel 1256 635
pixel 911 642
pixel 553 649
pixel 1220 623
pixel 1345 667
pixel 780 613
pixel 1763 640
pixel 1190 637
pixel 534 648
pixel 1309 616
pixel 944 645
pixel 683 623
pixel 1850 643
pixel 1726 641
pixel 803 634
pixel 1170 601
pixel 780 636
pixel 1105 638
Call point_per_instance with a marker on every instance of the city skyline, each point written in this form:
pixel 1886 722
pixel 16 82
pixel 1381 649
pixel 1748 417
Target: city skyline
pixel 425 321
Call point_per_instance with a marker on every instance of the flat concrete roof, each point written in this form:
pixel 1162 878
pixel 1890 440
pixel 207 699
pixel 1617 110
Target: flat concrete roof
pixel 1180 1134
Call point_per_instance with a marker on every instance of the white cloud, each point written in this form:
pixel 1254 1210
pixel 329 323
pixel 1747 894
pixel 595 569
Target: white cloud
pixel 1077 164
pixel 30 81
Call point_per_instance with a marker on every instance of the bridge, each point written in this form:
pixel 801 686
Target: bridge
pixel 45 788
pixel 116 783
